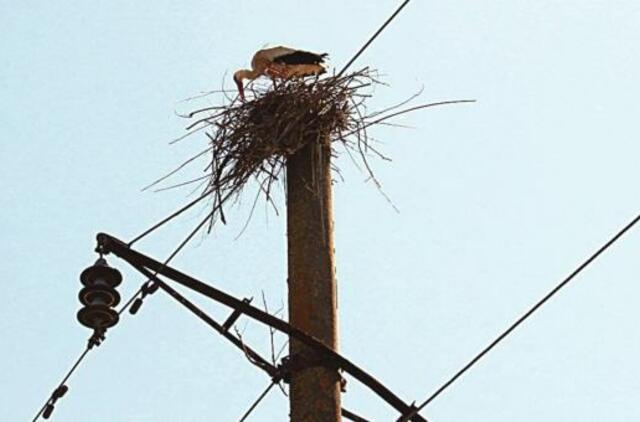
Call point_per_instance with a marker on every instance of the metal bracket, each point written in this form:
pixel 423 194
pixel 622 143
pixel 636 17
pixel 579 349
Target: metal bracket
pixel 234 315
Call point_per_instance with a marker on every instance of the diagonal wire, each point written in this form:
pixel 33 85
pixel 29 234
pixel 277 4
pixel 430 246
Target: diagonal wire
pixel 373 37
pixel 66 377
pixel 255 403
pixel 170 217
pixel 526 315
pixel 221 202
pixel 169 258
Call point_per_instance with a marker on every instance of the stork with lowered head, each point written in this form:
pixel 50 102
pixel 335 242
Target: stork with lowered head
pixel 280 63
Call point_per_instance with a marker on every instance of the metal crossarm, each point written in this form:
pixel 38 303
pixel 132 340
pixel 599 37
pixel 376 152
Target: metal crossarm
pixel 109 244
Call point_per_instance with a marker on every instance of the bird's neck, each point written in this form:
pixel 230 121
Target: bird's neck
pixel 247 74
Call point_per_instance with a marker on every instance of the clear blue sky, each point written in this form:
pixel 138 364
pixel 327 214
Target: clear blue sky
pixel 498 201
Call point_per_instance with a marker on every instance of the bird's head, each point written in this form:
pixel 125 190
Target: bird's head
pixel 237 78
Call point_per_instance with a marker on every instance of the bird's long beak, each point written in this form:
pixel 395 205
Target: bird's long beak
pixel 240 88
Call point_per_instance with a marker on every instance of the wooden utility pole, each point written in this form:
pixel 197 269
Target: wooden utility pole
pixel 314 393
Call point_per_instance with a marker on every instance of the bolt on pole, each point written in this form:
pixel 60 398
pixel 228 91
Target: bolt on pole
pixel 314 394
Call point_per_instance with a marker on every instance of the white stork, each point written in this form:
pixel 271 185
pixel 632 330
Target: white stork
pixel 282 63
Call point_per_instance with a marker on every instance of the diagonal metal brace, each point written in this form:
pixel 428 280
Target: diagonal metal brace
pixel 234 315
pixel 109 244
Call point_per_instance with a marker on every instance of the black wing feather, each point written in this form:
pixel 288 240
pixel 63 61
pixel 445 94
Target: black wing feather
pixel 301 57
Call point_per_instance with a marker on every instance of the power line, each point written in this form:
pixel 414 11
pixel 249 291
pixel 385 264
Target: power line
pixel 520 320
pixel 147 286
pixel 95 340
pixel 373 37
pixel 258 400
pixel 61 384
pixel 170 217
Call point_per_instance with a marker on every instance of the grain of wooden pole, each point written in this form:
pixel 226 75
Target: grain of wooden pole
pixel 314 390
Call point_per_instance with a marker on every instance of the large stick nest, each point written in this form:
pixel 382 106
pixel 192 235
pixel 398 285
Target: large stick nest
pixel 251 140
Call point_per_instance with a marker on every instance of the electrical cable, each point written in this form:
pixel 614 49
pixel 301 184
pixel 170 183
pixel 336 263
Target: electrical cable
pixel 520 320
pixel 373 37
pixel 255 403
pixel 66 377
pixel 170 217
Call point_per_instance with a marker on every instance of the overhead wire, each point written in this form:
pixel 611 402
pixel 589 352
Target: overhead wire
pixel 524 317
pixel 257 401
pixel 373 37
pixel 169 217
pixel 64 380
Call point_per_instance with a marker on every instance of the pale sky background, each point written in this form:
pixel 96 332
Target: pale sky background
pixel 498 201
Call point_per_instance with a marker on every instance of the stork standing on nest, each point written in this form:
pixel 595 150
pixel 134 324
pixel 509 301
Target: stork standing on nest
pixel 280 63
